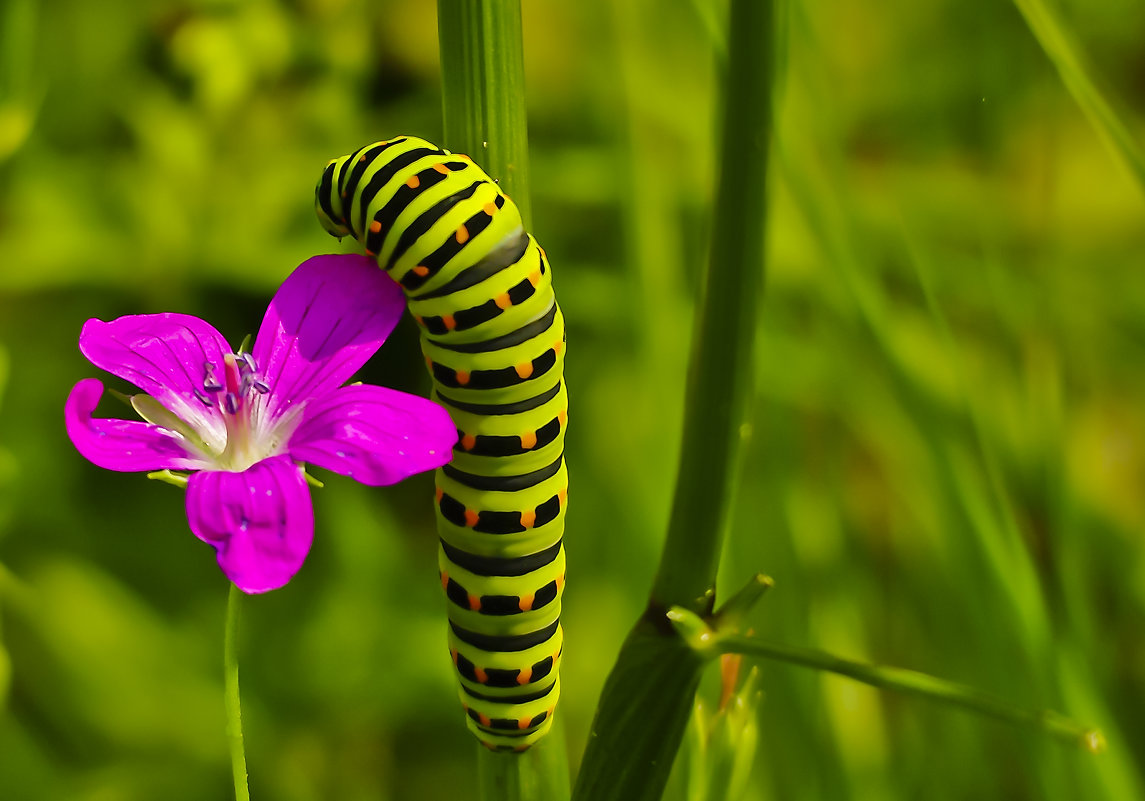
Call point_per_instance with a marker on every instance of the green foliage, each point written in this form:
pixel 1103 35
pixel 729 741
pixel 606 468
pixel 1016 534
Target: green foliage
pixel 947 448
pixel 1056 41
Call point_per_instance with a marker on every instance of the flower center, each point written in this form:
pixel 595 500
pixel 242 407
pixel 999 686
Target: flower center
pixel 235 390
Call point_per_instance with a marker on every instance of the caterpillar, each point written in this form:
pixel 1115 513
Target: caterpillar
pixel 480 288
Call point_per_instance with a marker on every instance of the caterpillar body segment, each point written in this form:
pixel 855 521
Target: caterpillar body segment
pixel 480 288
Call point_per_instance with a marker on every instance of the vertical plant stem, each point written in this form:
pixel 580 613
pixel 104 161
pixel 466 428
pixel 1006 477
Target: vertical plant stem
pixel 231 695
pixel 483 90
pixel 720 374
pixel 483 95
pixel 647 699
pixel 542 772
pixel 5 659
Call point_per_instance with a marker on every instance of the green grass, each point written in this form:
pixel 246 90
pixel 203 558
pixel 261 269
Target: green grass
pixel 947 452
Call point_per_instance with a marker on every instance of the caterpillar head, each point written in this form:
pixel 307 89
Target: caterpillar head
pixel 328 200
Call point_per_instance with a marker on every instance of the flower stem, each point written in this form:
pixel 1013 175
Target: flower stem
pixel 920 684
pixel 231 695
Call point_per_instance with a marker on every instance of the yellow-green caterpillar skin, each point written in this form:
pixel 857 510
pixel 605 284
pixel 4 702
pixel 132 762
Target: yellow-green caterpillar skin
pixel 492 333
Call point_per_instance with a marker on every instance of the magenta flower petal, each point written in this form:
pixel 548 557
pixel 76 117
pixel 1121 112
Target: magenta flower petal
pixel 166 356
pixel 326 320
pixel 124 445
pixel 260 521
pixel 373 434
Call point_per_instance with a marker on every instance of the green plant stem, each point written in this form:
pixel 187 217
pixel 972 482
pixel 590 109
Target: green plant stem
pixel 5 659
pixel 483 90
pixel 483 108
pixel 919 684
pixel 231 695
pixel 647 699
pixel 542 772
pixel 720 374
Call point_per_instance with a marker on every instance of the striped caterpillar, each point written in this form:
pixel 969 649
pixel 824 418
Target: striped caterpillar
pixel 480 288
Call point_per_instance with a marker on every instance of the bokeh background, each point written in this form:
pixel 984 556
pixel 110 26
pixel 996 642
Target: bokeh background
pixel 948 459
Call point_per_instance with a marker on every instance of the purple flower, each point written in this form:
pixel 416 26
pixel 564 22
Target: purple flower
pixel 244 421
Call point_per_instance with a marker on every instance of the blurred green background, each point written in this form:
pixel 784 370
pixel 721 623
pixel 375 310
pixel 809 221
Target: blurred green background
pixel 948 459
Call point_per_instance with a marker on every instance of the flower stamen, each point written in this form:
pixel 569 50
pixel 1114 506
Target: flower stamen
pixel 234 380
pixel 248 372
pixel 210 383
